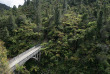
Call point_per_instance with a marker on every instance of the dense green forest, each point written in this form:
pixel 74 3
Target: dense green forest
pixel 75 35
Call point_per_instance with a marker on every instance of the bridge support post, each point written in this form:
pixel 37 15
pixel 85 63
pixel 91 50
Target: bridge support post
pixel 37 56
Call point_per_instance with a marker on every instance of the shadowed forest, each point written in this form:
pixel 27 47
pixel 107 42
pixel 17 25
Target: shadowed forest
pixel 75 35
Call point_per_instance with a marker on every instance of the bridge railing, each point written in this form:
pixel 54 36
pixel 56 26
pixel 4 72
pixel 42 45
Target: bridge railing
pixel 25 59
pixel 20 55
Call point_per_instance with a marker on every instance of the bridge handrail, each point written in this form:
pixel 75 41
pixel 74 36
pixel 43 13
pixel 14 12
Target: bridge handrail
pixel 23 53
pixel 31 54
pixel 28 57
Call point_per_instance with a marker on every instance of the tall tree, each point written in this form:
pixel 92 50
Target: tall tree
pixel 99 20
pixel 14 10
pixel 65 6
pixel 105 11
pixel 12 24
pixel 37 7
pixel 57 15
pixel 28 2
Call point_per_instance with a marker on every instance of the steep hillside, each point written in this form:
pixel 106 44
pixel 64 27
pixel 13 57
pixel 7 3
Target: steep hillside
pixel 3 6
pixel 75 35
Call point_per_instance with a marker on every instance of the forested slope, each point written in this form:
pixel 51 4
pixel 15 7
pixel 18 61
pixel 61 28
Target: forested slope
pixel 3 6
pixel 75 35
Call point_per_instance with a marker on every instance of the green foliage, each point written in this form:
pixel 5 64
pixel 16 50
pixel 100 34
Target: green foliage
pixel 3 59
pixel 75 35
pixel 21 70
